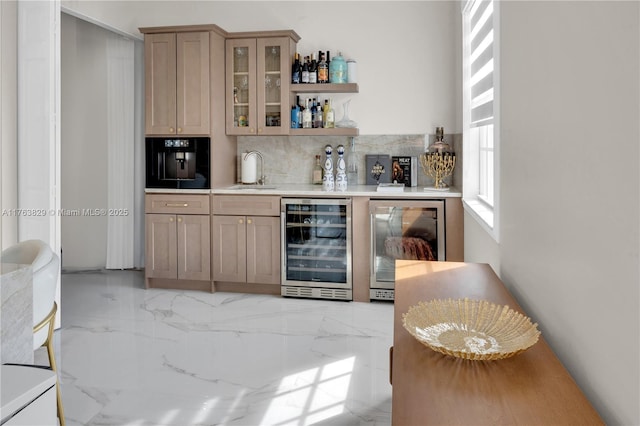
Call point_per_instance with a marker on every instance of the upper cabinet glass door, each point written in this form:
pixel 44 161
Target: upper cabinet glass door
pixel 241 87
pixel 258 86
pixel 273 85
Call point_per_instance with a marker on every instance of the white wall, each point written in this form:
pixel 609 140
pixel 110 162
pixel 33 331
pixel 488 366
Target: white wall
pixel 570 188
pixel 407 52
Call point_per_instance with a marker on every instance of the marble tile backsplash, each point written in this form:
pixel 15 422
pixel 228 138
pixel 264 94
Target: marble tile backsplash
pixel 290 159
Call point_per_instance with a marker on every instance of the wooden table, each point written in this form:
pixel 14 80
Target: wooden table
pixel 429 388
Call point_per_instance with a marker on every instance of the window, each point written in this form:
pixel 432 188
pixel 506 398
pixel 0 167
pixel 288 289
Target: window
pixel 481 112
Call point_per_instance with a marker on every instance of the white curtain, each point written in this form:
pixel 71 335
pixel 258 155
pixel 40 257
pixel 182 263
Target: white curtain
pixel 121 138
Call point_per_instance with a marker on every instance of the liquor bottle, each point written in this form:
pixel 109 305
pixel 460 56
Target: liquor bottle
pixel 295 113
pixel 300 109
pixel 307 116
pixel 328 180
pixel 323 70
pixel 341 172
pixel 313 70
pixel 305 70
pixel 317 172
pixel 296 70
pixel 317 118
pixel 329 121
pixel 314 112
pixel 328 65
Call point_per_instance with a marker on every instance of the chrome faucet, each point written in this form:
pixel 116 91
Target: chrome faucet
pixel 262 179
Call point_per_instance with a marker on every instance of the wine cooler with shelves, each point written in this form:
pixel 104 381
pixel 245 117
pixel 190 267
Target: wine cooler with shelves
pixel 316 248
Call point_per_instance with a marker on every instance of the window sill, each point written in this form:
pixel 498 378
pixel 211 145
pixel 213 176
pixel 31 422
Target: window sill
pixel 483 214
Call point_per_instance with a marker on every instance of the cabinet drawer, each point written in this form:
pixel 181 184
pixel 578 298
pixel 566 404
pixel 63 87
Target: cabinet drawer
pixel 177 203
pixel 253 205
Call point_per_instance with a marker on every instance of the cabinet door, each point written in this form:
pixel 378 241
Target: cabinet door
pixel 192 78
pixel 161 255
pixel 160 83
pixel 273 109
pixel 241 86
pixel 263 250
pixel 194 252
pixel 229 257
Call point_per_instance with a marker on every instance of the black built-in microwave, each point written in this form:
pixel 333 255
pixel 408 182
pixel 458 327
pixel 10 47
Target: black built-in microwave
pixel 180 163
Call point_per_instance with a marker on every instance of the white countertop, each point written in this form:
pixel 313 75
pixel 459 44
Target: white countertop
pixel 307 190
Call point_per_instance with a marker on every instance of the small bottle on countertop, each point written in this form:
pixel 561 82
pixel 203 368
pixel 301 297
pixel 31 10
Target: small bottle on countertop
pixel 341 172
pixel 317 172
pixel 328 180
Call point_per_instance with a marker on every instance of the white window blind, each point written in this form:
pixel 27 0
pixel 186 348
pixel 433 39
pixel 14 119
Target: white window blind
pixel 480 71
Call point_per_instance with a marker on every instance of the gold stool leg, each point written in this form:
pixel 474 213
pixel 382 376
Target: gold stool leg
pixel 52 360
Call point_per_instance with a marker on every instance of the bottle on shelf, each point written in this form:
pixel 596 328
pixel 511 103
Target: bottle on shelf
pixel 317 115
pixel 313 70
pixel 295 113
pixel 307 117
pixel 328 67
pixel 317 172
pixel 338 70
pixel 305 71
pixel 300 109
pixel 296 70
pixel 323 70
pixel 328 121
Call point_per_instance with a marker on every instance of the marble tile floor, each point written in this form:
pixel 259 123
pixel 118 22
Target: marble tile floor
pixel 130 356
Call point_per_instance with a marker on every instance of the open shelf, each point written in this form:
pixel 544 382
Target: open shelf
pixel 338 131
pixel 324 88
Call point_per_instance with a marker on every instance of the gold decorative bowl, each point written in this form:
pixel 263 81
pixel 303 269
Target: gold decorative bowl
pixel 470 329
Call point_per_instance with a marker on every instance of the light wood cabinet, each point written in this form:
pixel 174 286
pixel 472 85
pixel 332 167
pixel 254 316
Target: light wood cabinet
pixel 178 242
pixel 177 83
pixel 258 80
pixel 246 239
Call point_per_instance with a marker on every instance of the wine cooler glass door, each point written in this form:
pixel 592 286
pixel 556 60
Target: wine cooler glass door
pixel 407 230
pixel 317 244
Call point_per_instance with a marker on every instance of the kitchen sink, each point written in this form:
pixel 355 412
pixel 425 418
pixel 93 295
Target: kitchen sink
pixel 252 186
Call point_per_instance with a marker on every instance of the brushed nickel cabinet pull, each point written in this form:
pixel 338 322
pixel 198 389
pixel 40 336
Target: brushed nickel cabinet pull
pixel 179 220
pixel 249 221
pixel 177 205
pixel 240 221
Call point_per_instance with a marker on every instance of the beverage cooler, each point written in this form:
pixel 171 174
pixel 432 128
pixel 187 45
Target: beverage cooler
pixel 316 248
pixel 407 230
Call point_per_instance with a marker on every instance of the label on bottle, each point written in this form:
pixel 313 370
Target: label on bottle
pixel 305 76
pixel 295 78
pixel 313 78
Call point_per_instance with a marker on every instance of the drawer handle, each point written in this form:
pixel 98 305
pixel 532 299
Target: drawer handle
pixel 179 220
pixel 249 221
pixel 240 221
pixel 176 205
pixel 170 219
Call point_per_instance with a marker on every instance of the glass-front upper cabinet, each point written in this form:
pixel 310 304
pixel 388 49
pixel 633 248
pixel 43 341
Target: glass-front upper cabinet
pixel 258 75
